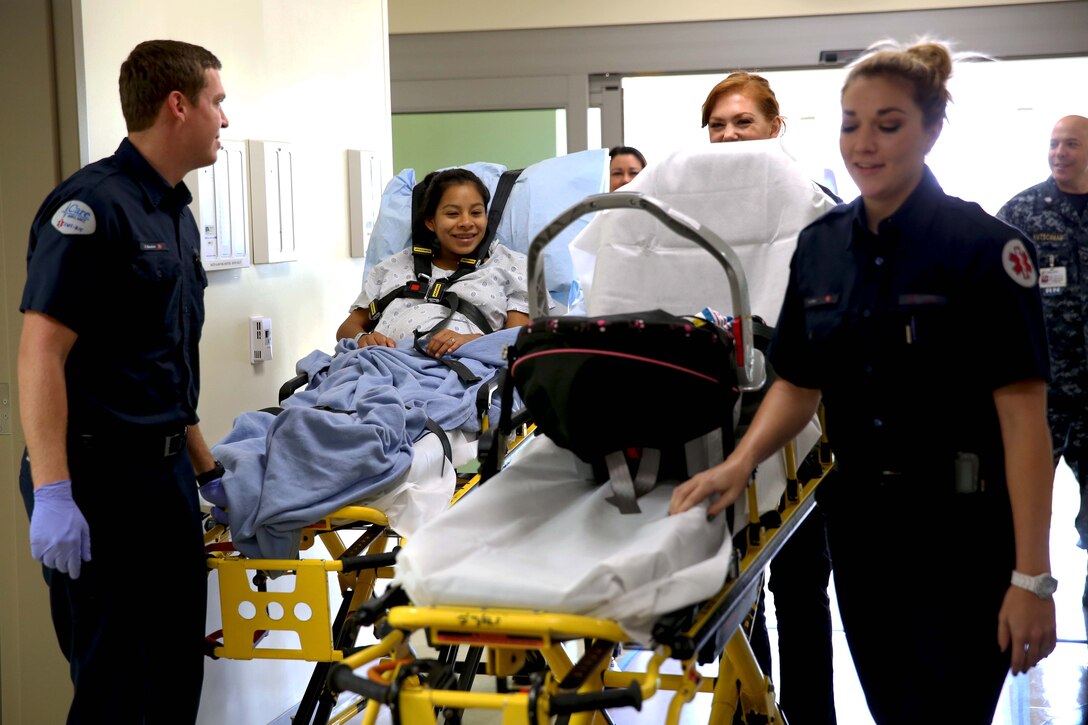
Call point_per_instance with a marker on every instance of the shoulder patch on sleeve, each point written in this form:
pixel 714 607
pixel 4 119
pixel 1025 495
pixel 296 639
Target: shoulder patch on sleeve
pixel 1017 263
pixel 74 217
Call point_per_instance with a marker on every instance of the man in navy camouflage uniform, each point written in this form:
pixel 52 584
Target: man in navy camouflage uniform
pixel 1055 215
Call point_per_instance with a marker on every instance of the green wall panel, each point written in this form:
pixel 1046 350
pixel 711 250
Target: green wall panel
pixel 429 141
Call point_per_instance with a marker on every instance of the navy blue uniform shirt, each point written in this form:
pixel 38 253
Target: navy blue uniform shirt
pixel 1059 229
pixel 908 332
pixel 114 256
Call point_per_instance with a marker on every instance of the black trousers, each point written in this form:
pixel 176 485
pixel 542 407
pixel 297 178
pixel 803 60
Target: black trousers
pixel 132 624
pixel 800 573
pixel 919 581
pixel 1069 431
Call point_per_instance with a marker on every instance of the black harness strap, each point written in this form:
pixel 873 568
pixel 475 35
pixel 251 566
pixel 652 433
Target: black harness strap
pixel 440 293
pixel 432 426
pixel 447 449
pixel 456 366
pixel 423 256
pixel 494 215
pixel 330 409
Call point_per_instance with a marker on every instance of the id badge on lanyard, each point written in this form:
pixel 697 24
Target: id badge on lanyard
pixel 1052 280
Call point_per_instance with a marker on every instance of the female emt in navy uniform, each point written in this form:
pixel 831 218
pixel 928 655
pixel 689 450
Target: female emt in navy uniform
pixel 108 381
pixel 916 318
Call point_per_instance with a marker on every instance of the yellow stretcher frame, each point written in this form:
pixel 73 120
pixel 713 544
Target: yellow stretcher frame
pixel 249 612
pixel 740 685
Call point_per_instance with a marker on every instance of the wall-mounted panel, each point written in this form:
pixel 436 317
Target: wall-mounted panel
pixel 221 208
pixel 364 197
pixel 272 173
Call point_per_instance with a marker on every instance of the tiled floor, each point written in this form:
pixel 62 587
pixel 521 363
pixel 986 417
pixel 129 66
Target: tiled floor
pixel 1054 693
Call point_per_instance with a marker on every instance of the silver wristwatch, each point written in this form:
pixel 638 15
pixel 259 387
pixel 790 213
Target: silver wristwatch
pixel 1042 586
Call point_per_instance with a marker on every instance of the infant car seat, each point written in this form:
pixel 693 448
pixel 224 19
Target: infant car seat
pixel 639 397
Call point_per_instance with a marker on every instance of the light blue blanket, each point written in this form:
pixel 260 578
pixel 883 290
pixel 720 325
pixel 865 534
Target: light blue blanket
pixel 288 470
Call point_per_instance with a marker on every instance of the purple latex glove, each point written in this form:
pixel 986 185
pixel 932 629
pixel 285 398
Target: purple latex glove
pixel 59 535
pixel 214 494
pixel 220 516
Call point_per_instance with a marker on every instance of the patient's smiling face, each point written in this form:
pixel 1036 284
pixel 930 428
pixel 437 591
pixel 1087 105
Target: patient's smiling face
pixel 459 223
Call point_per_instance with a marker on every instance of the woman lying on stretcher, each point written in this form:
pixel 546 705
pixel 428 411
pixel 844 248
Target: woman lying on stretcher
pixel 477 299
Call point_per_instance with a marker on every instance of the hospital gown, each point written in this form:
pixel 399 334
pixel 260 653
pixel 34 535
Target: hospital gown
pixel 496 287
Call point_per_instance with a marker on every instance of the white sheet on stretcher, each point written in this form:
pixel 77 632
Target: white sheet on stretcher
pixel 752 194
pixel 539 536
pixel 428 486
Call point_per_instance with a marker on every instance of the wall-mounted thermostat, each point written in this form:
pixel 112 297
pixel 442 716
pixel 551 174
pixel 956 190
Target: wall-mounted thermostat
pixel 260 339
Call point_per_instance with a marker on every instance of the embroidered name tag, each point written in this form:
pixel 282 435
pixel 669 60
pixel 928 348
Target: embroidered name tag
pixel 820 300
pixel 922 299
pixel 74 217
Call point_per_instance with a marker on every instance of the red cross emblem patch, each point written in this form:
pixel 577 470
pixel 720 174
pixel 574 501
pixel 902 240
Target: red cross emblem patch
pixel 1017 263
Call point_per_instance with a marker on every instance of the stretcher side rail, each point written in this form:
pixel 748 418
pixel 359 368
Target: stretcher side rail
pixel 512 429
pixel 291 386
pixel 728 609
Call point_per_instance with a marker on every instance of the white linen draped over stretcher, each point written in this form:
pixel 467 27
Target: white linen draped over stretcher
pixel 752 194
pixel 288 470
pixel 540 536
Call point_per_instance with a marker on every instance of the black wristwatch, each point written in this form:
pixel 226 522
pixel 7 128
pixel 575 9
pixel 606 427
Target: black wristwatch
pixel 208 476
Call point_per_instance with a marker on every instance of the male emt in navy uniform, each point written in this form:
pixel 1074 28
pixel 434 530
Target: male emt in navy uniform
pixel 1055 215
pixel 108 381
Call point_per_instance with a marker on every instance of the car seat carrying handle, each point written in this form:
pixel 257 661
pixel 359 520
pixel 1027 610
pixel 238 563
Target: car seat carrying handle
pixel 750 364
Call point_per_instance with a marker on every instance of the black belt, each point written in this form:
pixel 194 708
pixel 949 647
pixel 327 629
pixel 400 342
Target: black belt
pixel 138 442
pixel 949 474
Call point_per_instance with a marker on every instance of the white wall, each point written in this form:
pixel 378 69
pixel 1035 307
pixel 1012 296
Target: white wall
pixel 313 74
pixel 427 16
